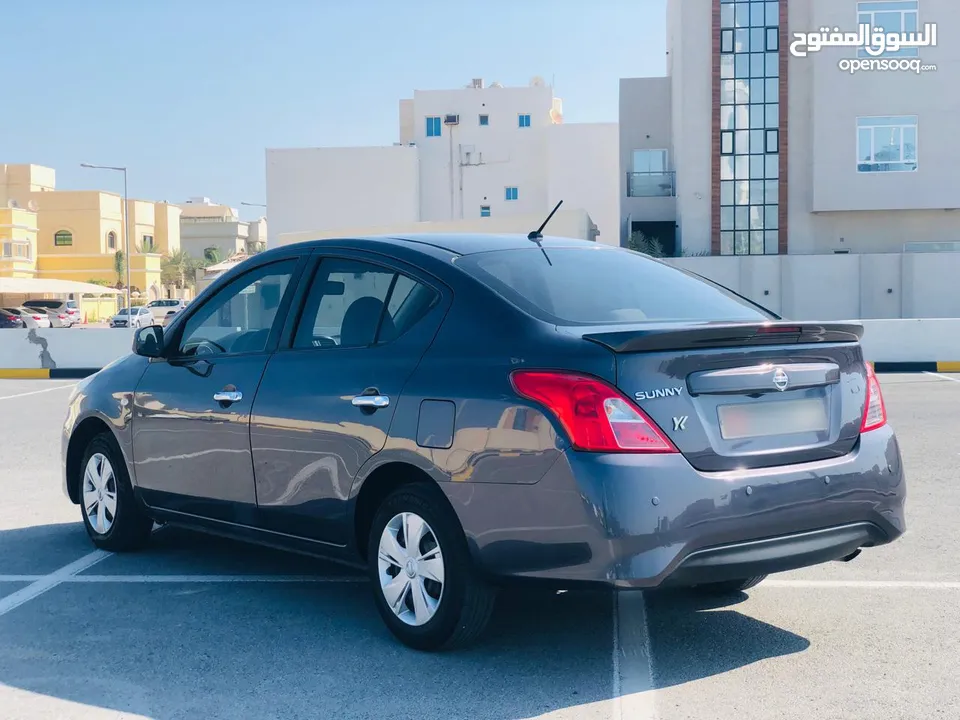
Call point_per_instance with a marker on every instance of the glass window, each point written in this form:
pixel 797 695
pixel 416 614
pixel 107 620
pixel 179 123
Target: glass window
pixel 726 218
pixel 756 90
pixel 757 142
pixel 63 238
pixel 741 65
pixel 726 41
pixel 757 64
pixel 757 166
pixel 111 240
pixel 726 66
pixel 771 219
pixel 741 143
pixel 773 13
pixel 433 127
pixel 523 121
pixel 727 91
pixel 771 193
pixel 741 243
pixel 741 217
pixel 773 39
pixel 634 288
pixel 756 217
pixel 758 14
pixel 743 14
pixel 484 211
pixel 742 90
pixel 771 242
pixel 726 142
pixel 649 161
pixel 773 64
pixel 742 192
pixel 726 192
pixel 726 16
pixel 742 117
pixel 756 242
pixel 239 318
pixel 484 120
pixel 726 168
pixel 756 116
pixel 772 92
pixel 772 166
pixel 741 167
pixel 726 117
pixel 893 17
pixel 772 113
pixel 887 144
pixel 756 192
pixel 511 193
pixel 772 143
pixel 726 243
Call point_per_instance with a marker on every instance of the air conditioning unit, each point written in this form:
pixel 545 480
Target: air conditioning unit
pixel 477 83
pixel 451 119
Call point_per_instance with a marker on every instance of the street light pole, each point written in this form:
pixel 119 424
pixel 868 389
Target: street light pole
pixel 126 230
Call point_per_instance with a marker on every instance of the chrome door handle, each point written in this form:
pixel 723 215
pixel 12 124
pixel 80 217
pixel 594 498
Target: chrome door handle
pixel 370 401
pixel 228 396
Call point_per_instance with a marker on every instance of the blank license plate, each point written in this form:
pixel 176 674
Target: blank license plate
pixel 738 422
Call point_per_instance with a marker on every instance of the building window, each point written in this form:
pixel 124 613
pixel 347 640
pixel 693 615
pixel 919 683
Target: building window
pixel 749 127
pixel 484 120
pixel 524 121
pixel 147 244
pixel 511 193
pixel 894 16
pixel 887 144
pixel 485 209
pixel 433 127
pixel 111 240
pixel 63 238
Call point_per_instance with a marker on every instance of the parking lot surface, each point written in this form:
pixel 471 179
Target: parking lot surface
pixel 202 627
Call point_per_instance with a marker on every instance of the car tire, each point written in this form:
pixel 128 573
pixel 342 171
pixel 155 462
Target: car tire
pixel 729 587
pixel 452 613
pixel 114 518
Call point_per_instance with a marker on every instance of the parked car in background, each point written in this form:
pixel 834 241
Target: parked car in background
pixel 456 412
pixel 61 307
pixel 137 317
pixel 8 320
pixel 31 318
pixel 161 309
pixel 58 319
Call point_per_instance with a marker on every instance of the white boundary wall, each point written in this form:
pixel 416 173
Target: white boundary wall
pixel 919 340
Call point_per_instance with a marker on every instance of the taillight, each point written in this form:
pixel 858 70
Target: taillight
pixel 61 317
pixel 875 413
pixel 595 416
pixel 36 317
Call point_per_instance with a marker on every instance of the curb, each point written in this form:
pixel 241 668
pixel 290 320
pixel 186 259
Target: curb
pixel 46 373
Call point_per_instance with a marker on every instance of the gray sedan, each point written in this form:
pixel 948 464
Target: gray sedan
pixel 457 413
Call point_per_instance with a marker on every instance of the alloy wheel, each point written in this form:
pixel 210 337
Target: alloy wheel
pixel 411 571
pixel 100 493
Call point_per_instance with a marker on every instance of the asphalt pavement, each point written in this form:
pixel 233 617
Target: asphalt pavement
pixel 203 627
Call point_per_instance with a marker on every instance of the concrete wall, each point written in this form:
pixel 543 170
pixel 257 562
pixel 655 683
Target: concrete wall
pixel 332 188
pixel 885 341
pixel 832 287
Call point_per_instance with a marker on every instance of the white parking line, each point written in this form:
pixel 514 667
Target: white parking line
pixel 192 578
pixel 633 689
pixel 37 392
pixel 48 582
pixel 862 584
pixel 942 377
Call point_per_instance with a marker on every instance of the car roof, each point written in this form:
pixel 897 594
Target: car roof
pixel 457 243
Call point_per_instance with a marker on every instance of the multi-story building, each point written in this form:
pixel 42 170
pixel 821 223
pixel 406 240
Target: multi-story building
pixel 761 140
pixel 483 151
pixel 77 234
pixel 205 225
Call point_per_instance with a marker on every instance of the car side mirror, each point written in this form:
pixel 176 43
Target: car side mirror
pixel 148 341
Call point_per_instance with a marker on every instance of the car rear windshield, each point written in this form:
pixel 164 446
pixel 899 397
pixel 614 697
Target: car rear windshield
pixel 53 304
pixel 603 286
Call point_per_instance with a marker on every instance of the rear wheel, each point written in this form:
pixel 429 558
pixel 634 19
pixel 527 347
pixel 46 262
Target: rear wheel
pixel 729 587
pixel 426 588
pixel 115 520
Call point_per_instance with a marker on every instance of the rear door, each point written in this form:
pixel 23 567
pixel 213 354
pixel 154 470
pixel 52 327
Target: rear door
pixel 328 396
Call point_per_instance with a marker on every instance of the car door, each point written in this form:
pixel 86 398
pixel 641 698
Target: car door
pixel 191 409
pixel 328 395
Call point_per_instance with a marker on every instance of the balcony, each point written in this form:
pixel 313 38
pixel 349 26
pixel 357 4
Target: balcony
pixel 651 184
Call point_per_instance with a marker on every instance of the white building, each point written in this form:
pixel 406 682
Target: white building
pixel 476 152
pixel 205 224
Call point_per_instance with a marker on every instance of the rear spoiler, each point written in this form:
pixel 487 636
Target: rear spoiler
pixel 654 338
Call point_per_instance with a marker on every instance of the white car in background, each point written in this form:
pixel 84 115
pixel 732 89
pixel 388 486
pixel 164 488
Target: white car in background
pixel 162 309
pixel 58 318
pixel 137 317
pixel 31 318
pixel 60 307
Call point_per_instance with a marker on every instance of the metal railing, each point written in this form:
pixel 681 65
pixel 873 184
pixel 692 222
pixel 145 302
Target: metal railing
pixel 652 184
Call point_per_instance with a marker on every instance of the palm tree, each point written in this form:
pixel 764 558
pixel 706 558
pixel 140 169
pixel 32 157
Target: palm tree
pixel 119 265
pixel 212 256
pixel 178 269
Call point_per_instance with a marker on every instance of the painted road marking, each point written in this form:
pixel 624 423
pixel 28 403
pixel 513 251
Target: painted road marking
pixel 633 689
pixel 862 584
pixel 48 582
pixel 943 377
pixel 37 392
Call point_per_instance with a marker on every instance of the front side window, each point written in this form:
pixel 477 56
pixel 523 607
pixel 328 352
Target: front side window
pixel 239 318
pixel 63 238
pixel 887 144
pixel 354 304
pixel 894 16
pixel 561 286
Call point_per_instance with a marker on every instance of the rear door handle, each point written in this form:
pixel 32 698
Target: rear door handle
pixel 228 396
pixel 370 401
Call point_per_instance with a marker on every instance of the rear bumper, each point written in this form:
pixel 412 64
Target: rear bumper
pixel 640 522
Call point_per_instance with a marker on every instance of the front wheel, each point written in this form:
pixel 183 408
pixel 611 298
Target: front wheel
pixel 426 588
pixel 114 518
pixel 729 587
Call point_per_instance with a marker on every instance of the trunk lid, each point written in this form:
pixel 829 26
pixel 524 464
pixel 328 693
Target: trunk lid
pixel 745 395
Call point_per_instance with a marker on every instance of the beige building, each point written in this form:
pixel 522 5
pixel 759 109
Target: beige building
pixel 748 148
pixel 205 224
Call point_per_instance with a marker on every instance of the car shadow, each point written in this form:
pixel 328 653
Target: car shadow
pixel 170 650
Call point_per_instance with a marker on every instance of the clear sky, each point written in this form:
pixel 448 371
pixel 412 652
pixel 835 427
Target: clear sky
pixel 189 93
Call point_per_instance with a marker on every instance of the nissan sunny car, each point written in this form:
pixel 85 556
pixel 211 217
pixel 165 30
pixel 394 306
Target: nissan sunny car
pixel 458 412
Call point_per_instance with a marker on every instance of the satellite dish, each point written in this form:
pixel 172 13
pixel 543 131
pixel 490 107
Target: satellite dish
pixel 13 204
pixel 496 85
pixel 32 205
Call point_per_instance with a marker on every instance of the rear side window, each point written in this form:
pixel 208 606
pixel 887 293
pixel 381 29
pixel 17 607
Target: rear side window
pixel 604 286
